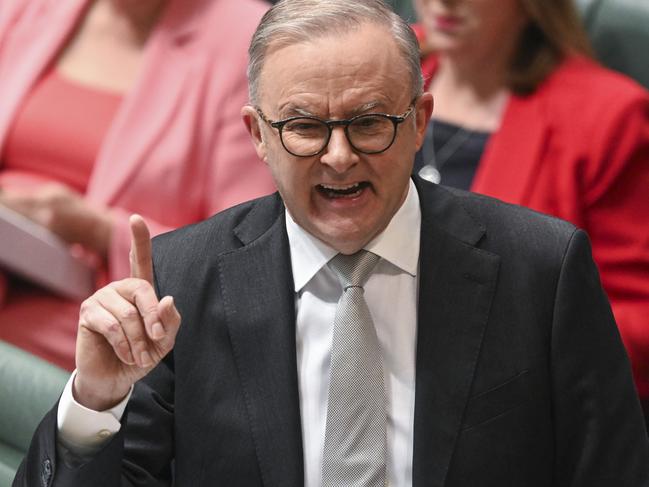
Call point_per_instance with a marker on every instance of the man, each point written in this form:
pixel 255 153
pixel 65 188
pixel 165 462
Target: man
pixel 478 348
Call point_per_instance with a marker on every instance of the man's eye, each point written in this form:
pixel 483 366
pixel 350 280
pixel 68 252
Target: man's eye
pixel 303 127
pixel 366 122
pixel 370 125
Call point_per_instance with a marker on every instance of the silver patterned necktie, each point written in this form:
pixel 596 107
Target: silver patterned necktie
pixel 355 444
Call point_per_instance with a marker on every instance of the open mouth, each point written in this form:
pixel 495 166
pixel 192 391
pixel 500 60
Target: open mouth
pixel 346 191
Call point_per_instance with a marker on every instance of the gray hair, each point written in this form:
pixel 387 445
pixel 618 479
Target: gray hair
pixel 293 21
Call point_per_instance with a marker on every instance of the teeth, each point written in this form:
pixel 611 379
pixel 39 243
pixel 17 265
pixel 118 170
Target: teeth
pixel 340 188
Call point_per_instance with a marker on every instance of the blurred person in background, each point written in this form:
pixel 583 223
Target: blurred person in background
pixel 522 113
pixel 111 107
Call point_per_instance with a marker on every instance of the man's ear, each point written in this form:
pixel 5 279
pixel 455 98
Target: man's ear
pixel 423 112
pixel 252 121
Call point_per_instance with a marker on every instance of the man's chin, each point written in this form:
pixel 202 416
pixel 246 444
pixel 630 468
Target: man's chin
pixel 345 238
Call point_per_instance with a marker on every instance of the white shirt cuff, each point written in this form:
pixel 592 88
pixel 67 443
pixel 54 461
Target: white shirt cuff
pixel 82 431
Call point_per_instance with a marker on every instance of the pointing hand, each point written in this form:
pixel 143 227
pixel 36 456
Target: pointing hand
pixel 124 330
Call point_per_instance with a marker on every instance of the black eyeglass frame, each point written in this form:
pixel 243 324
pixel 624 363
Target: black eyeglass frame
pixel 345 123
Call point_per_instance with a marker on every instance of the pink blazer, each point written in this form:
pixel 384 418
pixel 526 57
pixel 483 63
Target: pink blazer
pixel 177 150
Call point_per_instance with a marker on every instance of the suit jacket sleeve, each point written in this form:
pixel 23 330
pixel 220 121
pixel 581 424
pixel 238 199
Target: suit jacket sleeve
pixel 140 454
pixel 599 434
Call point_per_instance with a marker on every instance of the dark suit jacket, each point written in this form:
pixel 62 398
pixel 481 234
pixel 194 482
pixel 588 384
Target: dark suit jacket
pixel 521 376
pixel 578 148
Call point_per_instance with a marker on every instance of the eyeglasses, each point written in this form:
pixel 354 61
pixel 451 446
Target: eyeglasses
pixel 306 136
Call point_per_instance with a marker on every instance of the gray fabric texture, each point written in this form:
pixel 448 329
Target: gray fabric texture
pixel 355 443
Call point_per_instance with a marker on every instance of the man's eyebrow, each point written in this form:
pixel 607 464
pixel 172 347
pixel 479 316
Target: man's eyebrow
pixel 291 110
pixel 365 107
pixel 302 111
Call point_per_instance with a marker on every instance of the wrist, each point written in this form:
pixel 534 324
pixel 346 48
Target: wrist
pixel 97 398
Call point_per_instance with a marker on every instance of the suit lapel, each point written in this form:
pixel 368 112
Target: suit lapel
pixel 259 305
pixel 456 286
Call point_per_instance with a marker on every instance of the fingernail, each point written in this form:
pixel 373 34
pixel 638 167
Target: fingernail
pixel 129 357
pixel 145 359
pixel 157 331
pixel 126 353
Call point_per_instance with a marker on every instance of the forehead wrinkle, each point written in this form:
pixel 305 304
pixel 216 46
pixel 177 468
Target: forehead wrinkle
pixel 348 84
pixel 291 109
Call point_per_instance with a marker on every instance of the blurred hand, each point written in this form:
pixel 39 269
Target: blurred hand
pixel 64 212
pixel 124 330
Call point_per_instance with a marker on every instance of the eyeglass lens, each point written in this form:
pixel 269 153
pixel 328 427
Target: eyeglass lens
pixel 307 136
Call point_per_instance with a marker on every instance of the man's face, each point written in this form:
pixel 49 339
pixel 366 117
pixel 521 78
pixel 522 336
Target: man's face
pixel 343 197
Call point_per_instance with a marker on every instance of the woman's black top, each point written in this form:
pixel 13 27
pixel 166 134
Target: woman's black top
pixel 452 154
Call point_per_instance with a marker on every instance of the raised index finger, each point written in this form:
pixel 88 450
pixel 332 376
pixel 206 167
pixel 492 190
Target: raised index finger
pixel 140 255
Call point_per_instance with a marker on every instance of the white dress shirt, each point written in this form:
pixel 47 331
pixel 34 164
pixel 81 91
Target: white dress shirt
pixel 391 295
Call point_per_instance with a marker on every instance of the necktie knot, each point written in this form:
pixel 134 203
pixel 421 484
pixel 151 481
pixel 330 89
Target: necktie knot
pixel 354 269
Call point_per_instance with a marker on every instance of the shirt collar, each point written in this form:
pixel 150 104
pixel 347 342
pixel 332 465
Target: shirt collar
pixel 398 243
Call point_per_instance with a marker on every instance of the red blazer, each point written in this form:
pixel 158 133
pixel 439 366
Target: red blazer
pixel 578 148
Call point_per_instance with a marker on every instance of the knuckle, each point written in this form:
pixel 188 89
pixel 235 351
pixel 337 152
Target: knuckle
pixel 111 325
pixel 141 287
pixel 87 311
pixel 122 283
pixel 128 313
pixel 86 306
pixel 127 283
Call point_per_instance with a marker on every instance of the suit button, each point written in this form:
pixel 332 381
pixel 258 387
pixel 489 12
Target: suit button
pixel 46 473
pixel 103 434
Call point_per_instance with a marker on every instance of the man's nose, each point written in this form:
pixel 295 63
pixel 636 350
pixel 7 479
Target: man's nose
pixel 339 154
